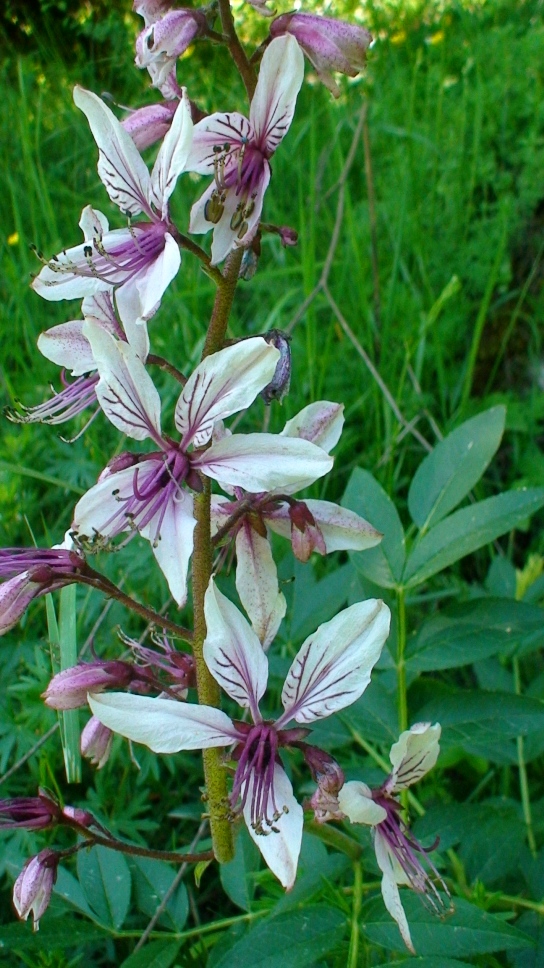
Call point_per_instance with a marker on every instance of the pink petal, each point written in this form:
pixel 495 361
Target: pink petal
pixel 264 462
pixel 319 422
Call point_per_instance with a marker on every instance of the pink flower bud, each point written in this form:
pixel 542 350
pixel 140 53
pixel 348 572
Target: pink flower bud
pixel 330 45
pixel 32 813
pixel 32 572
pixel 149 124
pixel 163 41
pixel 288 236
pixel 82 817
pixel 96 741
pixel 68 689
pixel 32 889
pixel 306 536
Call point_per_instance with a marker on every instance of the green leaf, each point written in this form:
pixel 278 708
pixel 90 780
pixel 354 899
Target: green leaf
pixel 469 529
pixel 411 962
pixel 384 563
pixel 455 465
pixel 468 931
pixel 316 865
pixel 237 877
pixel 152 879
pixel 54 933
pixel 314 601
pixel 70 732
pixel 483 723
pixel 157 954
pixel 374 716
pixel 68 887
pixel 104 876
pixel 472 631
pixel 291 940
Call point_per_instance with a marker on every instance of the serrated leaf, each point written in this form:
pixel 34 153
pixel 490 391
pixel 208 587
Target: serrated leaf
pixel 467 530
pixel 468 931
pixel 384 563
pixel 472 631
pixel 455 465
pixel 104 876
pixel 157 954
pixel 293 940
pixel 152 879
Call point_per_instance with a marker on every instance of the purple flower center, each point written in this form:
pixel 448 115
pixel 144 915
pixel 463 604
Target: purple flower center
pixel 254 778
pixel 119 259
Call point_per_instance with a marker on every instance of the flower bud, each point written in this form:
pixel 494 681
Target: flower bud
pixel 330 45
pixel 162 42
pixel 32 889
pixel 278 388
pixel 149 124
pixel 68 689
pixel 330 779
pixel 288 236
pixel 32 813
pixel 95 743
pixel 306 535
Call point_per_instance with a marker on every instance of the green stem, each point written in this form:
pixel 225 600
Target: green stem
pixel 209 694
pixel 523 782
pixel 237 52
pixel 353 954
pixel 335 838
pixel 401 666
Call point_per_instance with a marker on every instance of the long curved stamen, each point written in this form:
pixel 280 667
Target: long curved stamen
pixel 254 778
pixel 75 398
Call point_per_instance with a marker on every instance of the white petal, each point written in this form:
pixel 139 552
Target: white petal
pixel 120 164
pixel 263 462
pixel 153 281
pixel 319 422
pixel 332 668
pixel 66 346
pixel 257 583
pixel 355 800
pixel 217 129
pixel 342 530
pixel 165 725
pixel 173 155
pixel 280 79
pixel 99 512
pixel 100 309
pixel 135 326
pixel 280 849
pixel 390 891
pixel 413 755
pixel 222 384
pixel 93 223
pixel 233 652
pixel 126 392
pixel 170 532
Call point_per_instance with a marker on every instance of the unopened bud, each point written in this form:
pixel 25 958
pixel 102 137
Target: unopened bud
pixel 32 813
pixel 32 889
pixel 306 535
pixel 68 689
pixel 95 744
pixel 278 388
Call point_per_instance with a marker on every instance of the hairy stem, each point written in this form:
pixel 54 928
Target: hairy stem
pixel 208 690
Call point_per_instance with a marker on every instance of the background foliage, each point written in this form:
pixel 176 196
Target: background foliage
pixel 456 133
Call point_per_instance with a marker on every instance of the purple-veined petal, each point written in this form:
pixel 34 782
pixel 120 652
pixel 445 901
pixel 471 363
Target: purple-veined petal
pixel 129 307
pixel 225 237
pixel 263 462
pixel 140 296
pixel 99 511
pixel 66 346
pixel 355 800
pixel 332 668
pixel 320 422
pixel 233 652
pixel 172 157
pixel 120 165
pixel 391 871
pixel 93 223
pixel 413 755
pixel 164 725
pixel 280 79
pixel 257 583
pixel 170 532
pixel 280 846
pixel 126 392
pixel 216 130
pixel 342 530
pixel 222 384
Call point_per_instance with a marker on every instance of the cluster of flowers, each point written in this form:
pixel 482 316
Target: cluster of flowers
pixel 121 275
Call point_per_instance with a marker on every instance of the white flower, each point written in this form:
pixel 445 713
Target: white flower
pixel 331 670
pixel 138 261
pixel 237 151
pixel 397 851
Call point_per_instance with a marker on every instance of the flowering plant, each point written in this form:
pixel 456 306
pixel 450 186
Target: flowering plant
pixel 207 503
